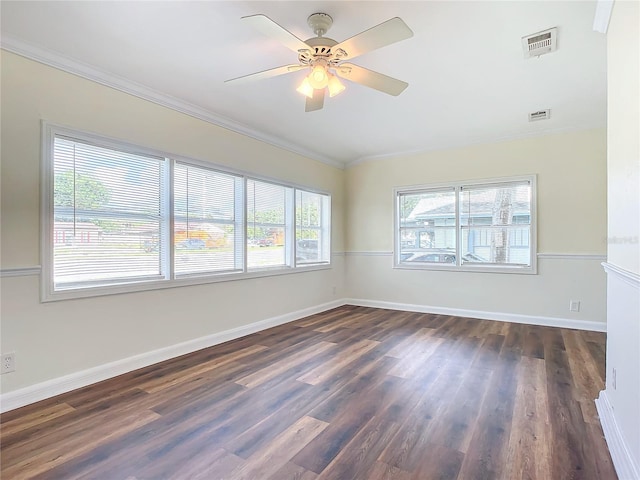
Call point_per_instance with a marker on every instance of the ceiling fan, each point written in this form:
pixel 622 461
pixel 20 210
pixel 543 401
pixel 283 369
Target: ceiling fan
pixel 327 59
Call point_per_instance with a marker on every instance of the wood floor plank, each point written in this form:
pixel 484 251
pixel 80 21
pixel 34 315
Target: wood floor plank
pixel 35 418
pixel 353 393
pixel 291 471
pixel 485 457
pixel 442 463
pixel 60 450
pixel 382 471
pixel 345 426
pixel 158 384
pixel 277 454
pixel 265 374
pixel 326 370
pixel 528 454
pixel 354 461
pixel 362 376
pixel 573 457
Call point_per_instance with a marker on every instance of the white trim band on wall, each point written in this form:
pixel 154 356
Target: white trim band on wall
pixel 545 256
pixel 631 278
pixel 572 256
pixel 20 271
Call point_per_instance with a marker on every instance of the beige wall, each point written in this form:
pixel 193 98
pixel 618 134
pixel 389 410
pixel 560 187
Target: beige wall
pixel 571 169
pixel 54 339
pixel 571 174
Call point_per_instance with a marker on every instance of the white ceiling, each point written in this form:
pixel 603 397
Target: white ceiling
pixel 468 80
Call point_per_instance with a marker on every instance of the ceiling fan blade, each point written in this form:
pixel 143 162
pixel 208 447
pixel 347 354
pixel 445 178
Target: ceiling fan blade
pixel 274 72
pixel 271 29
pixel 316 102
pixel 371 79
pixel 386 33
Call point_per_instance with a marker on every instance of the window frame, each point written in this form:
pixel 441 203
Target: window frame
pixel 457 187
pixel 169 278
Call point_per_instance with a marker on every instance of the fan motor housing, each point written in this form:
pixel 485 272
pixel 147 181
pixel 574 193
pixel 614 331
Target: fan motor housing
pixel 321 47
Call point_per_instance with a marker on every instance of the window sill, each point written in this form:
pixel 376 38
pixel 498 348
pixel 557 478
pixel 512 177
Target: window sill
pixel 149 285
pixel 532 270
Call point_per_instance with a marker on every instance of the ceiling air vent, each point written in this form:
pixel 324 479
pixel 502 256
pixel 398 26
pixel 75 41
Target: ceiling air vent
pixel 540 43
pixel 540 115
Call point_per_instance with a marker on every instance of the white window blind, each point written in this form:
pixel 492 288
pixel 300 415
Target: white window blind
pixel 312 218
pixel 267 206
pixel 118 218
pixel 107 206
pixel 207 221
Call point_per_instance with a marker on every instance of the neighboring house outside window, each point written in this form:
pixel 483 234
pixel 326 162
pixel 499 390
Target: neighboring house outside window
pixel 482 226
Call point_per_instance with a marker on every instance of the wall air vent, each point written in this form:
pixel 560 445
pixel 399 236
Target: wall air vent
pixel 540 43
pixel 540 115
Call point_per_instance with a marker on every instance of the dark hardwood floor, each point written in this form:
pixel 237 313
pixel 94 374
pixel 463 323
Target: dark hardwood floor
pixel 352 393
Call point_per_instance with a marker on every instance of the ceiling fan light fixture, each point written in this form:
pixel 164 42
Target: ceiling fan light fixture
pixel 335 86
pixel 305 88
pixel 319 77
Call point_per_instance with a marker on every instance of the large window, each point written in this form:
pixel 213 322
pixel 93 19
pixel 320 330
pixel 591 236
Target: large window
pixel 312 227
pixel 488 226
pixel 105 204
pixel 207 228
pixel 119 218
pixel 268 213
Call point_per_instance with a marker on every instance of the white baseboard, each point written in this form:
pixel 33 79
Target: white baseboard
pixel 622 459
pixel 50 388
pixel 498 316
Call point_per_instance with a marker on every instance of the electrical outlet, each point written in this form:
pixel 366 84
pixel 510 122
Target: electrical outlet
pixel 8 363
pixel 614 381
pixel 574 306
pixel 334 290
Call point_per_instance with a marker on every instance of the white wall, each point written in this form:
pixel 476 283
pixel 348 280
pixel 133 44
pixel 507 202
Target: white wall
pixel 571 172
pixel 52 340
pixel 621 399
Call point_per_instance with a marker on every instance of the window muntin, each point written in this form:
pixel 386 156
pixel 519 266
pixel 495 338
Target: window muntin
pixel 484 225
pixel 142 220
pixel 104 203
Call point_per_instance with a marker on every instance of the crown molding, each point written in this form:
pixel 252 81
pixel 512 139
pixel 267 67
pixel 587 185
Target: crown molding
pixel 602 15
pixel 69 65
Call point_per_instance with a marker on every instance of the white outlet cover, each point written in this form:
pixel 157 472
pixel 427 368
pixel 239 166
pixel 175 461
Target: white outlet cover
pixel 8 363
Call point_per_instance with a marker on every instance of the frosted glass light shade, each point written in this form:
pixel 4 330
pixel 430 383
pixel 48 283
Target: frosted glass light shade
pixel 318 77
pixel 335 86
pixel 305 88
